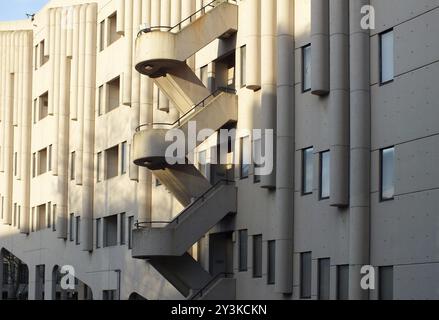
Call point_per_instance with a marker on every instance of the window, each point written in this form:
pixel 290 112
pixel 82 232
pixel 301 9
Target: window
pixel 14 220
pixel 49 158
pixel 71 222
pixel 305 275
pixel 42 161
pixel 130 232
pixel 204 76
pixel 72 165
pixel 49 215
pixel 122 229
pixel 307 171
pixel 385 283
pixel 202 163
pixel 324 276
pixel 245 157
pixel 102 41
pixel 306 68
pixel 387 188
pixel 34 164
pixel 98 167
pixel 54 218
pixel 113 88
pixel 386 57
pixel 343 282
pixel 101 102
pixel 257 160
pixel 112 28
pixel 271 262
pixel 324 174
pixel 41 217
pixel 111 167
pixel 243 234
pixel 43 106
pixel 243 66
pixel 35 112
pixel 257 256
pixel 123 160
pixel 109 295
pixel 98 233
pixel 110 231
pixel 78 230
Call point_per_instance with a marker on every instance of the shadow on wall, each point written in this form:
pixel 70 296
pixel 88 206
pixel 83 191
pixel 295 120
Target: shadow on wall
pixel 15 277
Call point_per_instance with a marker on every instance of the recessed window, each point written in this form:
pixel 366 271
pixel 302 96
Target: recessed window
pixel 257 160
pixel 305 275
pixel 49 158
pixel 306 68
pixel 49 215
pixel 72 165
pixel 386 57
pixel 54 217
pixel 324 174
pixel 43 106
pixel 257 256
pixel 307 170
pixel 111 156
pixel 98 232
pixel 43 58
pixel 101 102
pixel 122 229
pixel 271 262
pixel 245 157
pixel 113 88
pixel 243 238
pixel 243 51
pixel 123 160
pixel 42 161
pixel 110 231
pixel 387 174
pixel 78 230
pixel 343 282
pixel 202 162
pixel 102 42
pixel 130 232
pixel 98 167
pixel 112 29
pixel 324 277
pixel 204 76
pixel 385 283
pixel 71 226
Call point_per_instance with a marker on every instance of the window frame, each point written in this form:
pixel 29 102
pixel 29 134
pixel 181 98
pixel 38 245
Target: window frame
pixel 321 196
pixel 382 198
pixel 304 167
pixel 382 83
pixel 304 49
pixel 243 252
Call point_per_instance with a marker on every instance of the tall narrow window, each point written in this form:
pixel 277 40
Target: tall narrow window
pixel 123 160
pixel 78 230
pixel 34 164
pixel 112 30
pixel 71 226
pixel 101 102
pixel 54 217
pixel 386 57
pixel 110 231
pixel 257 160
pixel 204 76
pixel 122 229
pixel 243 235
pixel 243 66
pixel 102 41
pixel 49 158
pixel 49 215
pixel 98 232
pixel 35 112
pixel 324 269
pixel 385 283
pixel 257 256
pixel 130 232
pixel 111 162
pixel 343 282
pixel 113 95
pixel 387 174
pixel 43 106
pixel 271 262
pixel 325 158
pixel 72 165
pixel 98 167
pixel 202 162
pixel 306 68
pixel 305 275
pixel 245 157
pixel 307 170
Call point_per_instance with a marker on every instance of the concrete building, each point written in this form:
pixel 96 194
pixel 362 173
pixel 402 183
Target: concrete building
pixel 89 91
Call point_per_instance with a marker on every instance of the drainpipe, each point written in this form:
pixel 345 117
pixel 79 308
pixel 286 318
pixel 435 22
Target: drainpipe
pixel 285 147
pixel 320 47
pixel 89 128
pixel 253 68
pixel 26 132
pixel 268 68
pixel 339 103
pixel 359 217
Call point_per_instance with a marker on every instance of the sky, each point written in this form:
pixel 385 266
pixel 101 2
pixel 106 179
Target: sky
pixel 17 9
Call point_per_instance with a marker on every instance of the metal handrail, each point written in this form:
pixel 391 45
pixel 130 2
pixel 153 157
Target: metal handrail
pixel 170 28
pixel 139 225
pixel 222 275
pixel 179 120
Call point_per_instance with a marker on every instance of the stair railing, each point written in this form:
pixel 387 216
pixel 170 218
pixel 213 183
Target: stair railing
pixel 182 215
pixel 178 26
pixel 202 104
pixel 222 275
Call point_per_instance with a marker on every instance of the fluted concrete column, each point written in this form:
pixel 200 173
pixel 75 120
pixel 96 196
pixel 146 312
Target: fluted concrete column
pixel 360 117
pixel 339 103
pixel 48 34
pixel 284 224
pixel 51 106
pixel 26 132
pixel 69 17
pixel 75 65
pixel 268 66
pixel 89 129
pixel 2 93
pixel 128 70
pixel 15 67
pixel 56 90
pixel 79 152
pixel 253 67
pixel 175 12
pixel 320 47
pixel 120 23
pixel 19 98
pixel 8 146
pixel 63 134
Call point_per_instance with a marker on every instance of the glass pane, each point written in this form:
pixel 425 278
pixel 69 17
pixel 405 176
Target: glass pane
pixel 271 272
pixel 245 157
pixel 386 283
pixel 257 256
pixel 243 250
pixel 325 167
pixel 306 68
pixel 387 174
pixel 387 52
pixel 305 275
pixel 243 66
pixel 308 170
pixel 324 279
pixel 343 282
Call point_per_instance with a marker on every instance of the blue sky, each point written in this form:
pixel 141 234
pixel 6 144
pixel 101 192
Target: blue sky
pixel 17 9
